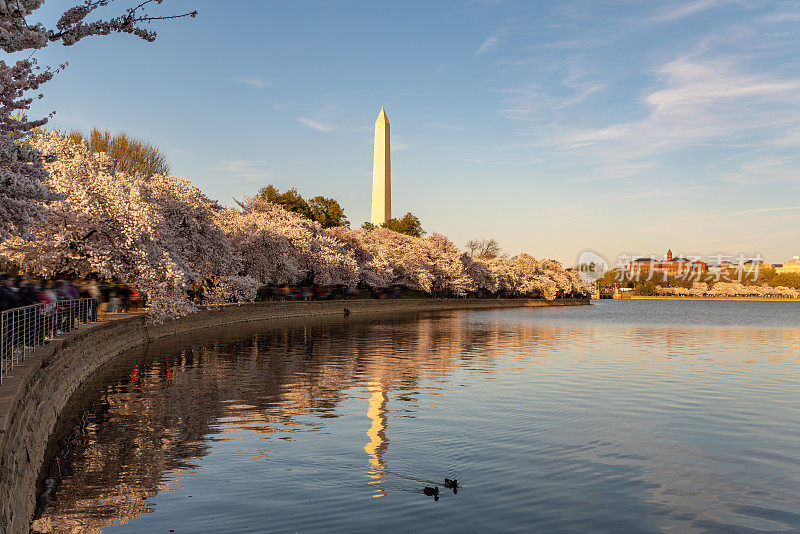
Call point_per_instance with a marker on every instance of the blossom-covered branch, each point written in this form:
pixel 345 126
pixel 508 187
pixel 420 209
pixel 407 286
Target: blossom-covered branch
pixel 17 34
pixel 23 197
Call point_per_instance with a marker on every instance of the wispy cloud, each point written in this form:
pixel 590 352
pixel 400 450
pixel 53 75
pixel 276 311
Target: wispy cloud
pixel 790 138
pixel 711 113
pixel 781 16
pixel 660 193
pixel 683 10
pixel 398 145
pixel 493 42
pixel 482 3
pixel 245 169
pixel 765 170
pixel 448 127
pixel 617 169
pixel 764 210
pixel 253 81
pixel 738 213
pixel 530 102
pixel 693 84
pixel 582 85
pixel 319 121
pixel 316 125
pixel 701 101
pixel 576 44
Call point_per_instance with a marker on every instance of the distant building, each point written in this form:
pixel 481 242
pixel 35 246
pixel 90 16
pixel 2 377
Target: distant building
pixel 722 269
pixel 670 265
pixel 790 267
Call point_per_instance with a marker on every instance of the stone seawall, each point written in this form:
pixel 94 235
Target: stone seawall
pixel 37 391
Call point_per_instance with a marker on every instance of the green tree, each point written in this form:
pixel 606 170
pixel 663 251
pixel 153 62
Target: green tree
pixel 648 289
pixel 327 212
pixel 291 200
pixel 408 224
pixel 609 278
pixel 130 155
pixel 270 193
pixel 785 279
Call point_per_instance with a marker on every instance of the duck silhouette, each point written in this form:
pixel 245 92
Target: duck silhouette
pixel 427 490
pixel 451 484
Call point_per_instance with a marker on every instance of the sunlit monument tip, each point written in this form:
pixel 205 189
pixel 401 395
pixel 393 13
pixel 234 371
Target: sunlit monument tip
pixel 382 172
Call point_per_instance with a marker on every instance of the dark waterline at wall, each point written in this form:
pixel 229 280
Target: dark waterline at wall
pixel 633 415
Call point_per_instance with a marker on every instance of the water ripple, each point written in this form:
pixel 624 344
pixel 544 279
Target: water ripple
pixel 621 417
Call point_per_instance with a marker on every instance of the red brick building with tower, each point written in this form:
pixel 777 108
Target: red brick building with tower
pixel 670 266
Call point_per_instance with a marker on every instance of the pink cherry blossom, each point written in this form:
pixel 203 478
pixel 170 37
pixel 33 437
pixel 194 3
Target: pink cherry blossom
pixel 23 197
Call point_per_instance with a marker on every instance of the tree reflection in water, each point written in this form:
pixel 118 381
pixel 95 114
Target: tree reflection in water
pixel 150 415
pixel 649 424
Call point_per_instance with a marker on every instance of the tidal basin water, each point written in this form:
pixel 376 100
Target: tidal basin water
pixel 623 416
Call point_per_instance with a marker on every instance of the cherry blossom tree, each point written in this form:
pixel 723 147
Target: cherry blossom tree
pixel 267 255
pixel 698 289
pixel 449 274
pixel 374 271
pixel 783 291
pixel 677 291
pixel 505 277
pixel 65 210
pixel 311 255
pixel 406 256
pixel 23 196
pixel 157 234
pixel 736 289
pixel 480 273
pixel 22 191
pixel 531 278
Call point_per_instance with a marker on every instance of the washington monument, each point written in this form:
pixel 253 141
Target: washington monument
pixel 382 172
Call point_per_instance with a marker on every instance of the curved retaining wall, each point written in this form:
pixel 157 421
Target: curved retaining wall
pixel 37 391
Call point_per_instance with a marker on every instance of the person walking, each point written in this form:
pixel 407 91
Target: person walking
pixel 27 298
pixel 93 292
pixel 49 310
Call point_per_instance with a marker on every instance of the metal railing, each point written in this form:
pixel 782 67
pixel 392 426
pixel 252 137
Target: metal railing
pixel 23 329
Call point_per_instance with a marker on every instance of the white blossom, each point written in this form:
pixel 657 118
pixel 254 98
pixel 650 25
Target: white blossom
pixel 23 196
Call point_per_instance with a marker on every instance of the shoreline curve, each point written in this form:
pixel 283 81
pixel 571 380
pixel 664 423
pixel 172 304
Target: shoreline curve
pixel 35 393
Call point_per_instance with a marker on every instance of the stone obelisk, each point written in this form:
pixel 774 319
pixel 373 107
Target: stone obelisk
pixel 382 172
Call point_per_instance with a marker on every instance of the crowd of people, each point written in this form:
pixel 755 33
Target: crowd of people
pixel 113 296
pixel 20 290
pixel 35 310
pixel 44 308
pixel 39 310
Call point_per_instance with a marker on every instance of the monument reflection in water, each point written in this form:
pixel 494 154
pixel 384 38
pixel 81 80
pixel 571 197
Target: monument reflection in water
pixel 602 418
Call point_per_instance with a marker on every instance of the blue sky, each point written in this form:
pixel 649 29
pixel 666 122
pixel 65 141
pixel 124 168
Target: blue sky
pixel 622 127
